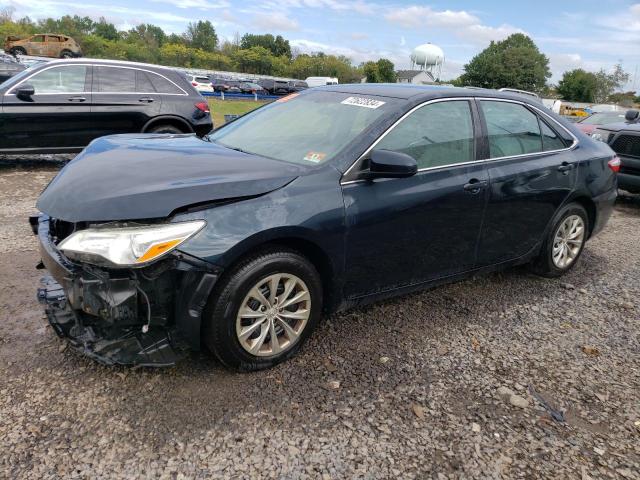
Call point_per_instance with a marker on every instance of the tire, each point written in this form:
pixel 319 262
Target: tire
pixel 66 54
pixel 566 239
pixel 15 51
pixel 223 325
pixel 165 128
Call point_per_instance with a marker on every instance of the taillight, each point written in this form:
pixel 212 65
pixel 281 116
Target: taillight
pixel 614 164
pixel 203 107
pixel 195 84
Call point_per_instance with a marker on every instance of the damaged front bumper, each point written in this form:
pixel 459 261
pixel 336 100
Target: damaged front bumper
pixel 148 316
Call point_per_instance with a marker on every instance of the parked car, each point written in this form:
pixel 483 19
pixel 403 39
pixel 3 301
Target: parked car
pixel 242 240
pixel 9 66
pixel 297 86
pixel 251 87
pixel 201 83
pixel 219 84
pixel 624 139
pixel 63 105
pixel 43 45
pixel 274 87
pixel 233 86
pixel 589 124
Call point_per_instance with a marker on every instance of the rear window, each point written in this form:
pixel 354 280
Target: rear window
pixel 202 79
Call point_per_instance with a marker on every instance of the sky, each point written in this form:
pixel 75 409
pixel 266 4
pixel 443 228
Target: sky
pixel 572 33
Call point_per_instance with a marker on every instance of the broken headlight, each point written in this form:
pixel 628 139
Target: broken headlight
pixel 128 246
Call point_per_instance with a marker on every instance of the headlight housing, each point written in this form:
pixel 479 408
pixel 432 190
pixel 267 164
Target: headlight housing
pixel 128 246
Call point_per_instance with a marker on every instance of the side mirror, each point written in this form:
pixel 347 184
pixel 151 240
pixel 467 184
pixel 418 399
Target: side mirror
pixel 389 164
pixel 631 116
pixel 25 91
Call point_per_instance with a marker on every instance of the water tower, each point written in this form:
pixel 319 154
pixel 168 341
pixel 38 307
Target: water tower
pixel 429 58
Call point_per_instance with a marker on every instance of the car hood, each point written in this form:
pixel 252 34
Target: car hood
pixel 144 176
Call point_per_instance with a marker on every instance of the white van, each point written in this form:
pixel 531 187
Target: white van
pixel 319 81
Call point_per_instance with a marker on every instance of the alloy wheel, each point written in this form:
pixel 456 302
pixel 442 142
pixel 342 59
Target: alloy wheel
pixel 568 241
pixel 273 315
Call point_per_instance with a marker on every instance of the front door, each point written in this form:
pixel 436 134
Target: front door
pixel 406 231
pixel 56 117
pixel 532 172
pixel 124 100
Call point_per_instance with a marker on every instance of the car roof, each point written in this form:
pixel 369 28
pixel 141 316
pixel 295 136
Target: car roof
pixel 619 126
pixel 408 91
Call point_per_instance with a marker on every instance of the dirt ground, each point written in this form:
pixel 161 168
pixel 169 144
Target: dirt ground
pixel 505 376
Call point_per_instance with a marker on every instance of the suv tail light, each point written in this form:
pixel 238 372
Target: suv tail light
pixel 203 107
pixel 195 84
pixel 614 164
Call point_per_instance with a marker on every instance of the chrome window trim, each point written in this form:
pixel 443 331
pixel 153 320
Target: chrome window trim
pixel 100 93
pixel 485 160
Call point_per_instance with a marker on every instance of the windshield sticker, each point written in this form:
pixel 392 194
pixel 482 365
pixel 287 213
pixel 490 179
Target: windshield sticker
pixel 362 102
pixel 315 157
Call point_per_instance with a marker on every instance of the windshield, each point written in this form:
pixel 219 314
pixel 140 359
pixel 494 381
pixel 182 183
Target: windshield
pixel 604 118
pixel 306 128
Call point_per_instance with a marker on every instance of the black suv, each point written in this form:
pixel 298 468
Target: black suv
pixel 61 106
pixel 624 139
pixel 274 87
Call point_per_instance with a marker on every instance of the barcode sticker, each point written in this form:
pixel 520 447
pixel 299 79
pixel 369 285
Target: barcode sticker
pixel 362 102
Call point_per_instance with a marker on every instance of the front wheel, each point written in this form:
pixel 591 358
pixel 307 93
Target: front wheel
pixel 263 310
pixel 67 54
pixel 18 51
pixel 564 243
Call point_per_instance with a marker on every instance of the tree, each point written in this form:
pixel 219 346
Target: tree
pixel 514 62
pixel 607 83
pixel 106 30
pixel 386 70
pixel 371 72
pixel 578 86
pixel 202 35
pixel 277 45
pixel 625 99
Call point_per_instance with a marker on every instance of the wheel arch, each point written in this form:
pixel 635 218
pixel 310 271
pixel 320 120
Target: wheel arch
pixel 174 120
pixel 589 205
pixel 300 242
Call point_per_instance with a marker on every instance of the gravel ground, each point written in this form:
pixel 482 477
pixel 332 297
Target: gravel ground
pixel 506 376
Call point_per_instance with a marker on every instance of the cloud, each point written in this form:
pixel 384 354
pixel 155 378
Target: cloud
pixel 416 17
pixel 359 36
pixel 275 22
pixel 461 23
pixel 199 4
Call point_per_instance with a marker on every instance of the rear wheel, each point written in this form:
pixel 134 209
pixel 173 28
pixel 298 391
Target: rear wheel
pixel 18 51
pixel 165 128
pixel 564 243
pixel 66 54
pixel 263 311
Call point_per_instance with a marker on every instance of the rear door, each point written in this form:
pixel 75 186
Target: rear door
pixel 36 46
pixel 57 116
pixel 532 170
pixel 124 99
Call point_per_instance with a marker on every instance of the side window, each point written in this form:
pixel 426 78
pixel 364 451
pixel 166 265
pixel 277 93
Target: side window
pixel 435 135
pixel 162 85
pixel 143 84
pixel 66 79
pixel 51 38
pixel 37 38
pixel 512 129
pixel 117 80
pixel 550 139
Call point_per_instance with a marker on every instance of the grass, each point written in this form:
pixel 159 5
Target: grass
pixel 220 108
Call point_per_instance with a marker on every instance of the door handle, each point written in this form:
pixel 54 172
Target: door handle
pixel 565 167
pixel 474 186
pixel 145 100
pixel 77 99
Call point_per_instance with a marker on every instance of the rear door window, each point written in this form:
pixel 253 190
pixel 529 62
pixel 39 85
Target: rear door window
pixel 550 139
pixel 143 83
pixel 512 129
pixel 115 80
